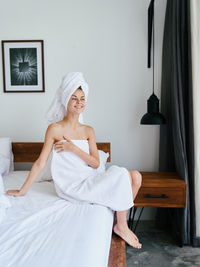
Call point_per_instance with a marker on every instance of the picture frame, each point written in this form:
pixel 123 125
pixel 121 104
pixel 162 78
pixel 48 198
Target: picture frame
pixel 23 66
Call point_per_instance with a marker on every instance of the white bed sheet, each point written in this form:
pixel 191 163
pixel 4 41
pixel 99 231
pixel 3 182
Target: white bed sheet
pixel 42 229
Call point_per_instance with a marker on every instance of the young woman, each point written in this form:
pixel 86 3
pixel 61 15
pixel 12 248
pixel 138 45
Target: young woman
pixel 116 188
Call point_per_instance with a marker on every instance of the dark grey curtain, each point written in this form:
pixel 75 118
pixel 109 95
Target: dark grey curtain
pixel 176 148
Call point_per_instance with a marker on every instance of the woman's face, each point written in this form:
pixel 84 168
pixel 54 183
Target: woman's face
pixel 76 102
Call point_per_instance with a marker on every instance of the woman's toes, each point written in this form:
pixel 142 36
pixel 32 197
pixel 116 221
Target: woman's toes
pixel 136 238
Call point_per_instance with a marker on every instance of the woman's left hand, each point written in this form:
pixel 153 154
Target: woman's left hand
pixel 64 146
pixel 15 193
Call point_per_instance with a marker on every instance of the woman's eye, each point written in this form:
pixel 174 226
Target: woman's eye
pixel 77 99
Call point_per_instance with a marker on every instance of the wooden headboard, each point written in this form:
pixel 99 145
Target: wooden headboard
pixel 30 151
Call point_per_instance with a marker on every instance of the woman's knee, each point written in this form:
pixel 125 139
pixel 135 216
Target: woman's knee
pixel 136 178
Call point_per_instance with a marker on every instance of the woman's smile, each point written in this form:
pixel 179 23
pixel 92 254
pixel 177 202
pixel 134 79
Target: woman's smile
pixel 78 107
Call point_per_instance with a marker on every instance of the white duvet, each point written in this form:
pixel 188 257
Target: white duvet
pixel 40 229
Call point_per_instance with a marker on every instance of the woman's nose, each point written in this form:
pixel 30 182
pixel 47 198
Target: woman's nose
pixel 79 100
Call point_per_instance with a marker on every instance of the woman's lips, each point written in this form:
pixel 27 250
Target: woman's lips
pixel 78 107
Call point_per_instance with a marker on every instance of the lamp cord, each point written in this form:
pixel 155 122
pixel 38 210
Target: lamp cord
pixel 153 50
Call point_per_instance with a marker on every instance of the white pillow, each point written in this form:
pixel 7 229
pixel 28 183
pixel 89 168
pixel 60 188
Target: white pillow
pixel 103 159
pixel 6 151
pixel 45 175
pixel 4 165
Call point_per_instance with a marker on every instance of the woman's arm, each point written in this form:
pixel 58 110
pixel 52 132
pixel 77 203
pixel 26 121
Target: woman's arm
pixel 39 164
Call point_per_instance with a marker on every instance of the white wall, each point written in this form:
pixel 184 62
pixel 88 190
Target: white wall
pixel 107 41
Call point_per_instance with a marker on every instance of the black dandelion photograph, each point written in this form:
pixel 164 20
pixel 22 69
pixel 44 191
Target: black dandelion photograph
pixel 23 66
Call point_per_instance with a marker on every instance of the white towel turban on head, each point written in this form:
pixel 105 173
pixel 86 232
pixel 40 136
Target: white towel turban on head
pixel 58 108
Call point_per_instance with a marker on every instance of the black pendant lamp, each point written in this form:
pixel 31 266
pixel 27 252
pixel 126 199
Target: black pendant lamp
pixel 152 117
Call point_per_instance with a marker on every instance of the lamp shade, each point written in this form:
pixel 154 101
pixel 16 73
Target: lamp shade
pixel 153 116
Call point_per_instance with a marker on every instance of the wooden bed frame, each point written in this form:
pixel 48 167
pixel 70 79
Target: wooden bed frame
pixel 30 151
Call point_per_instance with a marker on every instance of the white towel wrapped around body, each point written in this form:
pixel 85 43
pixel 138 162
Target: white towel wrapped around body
pixel 79 183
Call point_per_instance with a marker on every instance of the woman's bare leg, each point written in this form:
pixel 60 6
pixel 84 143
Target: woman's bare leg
pixel 121 227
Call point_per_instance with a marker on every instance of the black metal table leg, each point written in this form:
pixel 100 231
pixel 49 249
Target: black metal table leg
pixel 132 216
pixel 138 219
pixel 129 218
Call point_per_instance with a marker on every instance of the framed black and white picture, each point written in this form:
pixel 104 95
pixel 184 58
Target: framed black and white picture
pixel 23 66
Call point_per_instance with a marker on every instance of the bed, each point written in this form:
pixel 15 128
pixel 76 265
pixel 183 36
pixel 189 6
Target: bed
pixel 44 230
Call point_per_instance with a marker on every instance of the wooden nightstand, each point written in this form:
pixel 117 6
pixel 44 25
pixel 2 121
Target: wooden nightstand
pixel 159 189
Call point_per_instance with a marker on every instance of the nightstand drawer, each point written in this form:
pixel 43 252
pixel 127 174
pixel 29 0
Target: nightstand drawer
pixel 160 197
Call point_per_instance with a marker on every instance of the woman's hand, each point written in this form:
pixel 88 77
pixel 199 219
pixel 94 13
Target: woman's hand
pixel 64 146
pixel 15 193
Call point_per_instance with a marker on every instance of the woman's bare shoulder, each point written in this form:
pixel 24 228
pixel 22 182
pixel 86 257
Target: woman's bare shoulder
pixel 88 127
pixel 54 130
pixel 89 130
pixel 54 126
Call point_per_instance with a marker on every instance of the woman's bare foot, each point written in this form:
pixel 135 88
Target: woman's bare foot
pixel 136 238
pixel 126 234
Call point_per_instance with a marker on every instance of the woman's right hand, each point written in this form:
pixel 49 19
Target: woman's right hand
pixel 15 193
